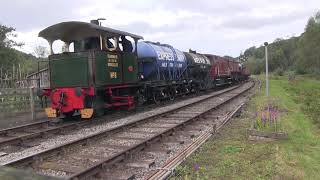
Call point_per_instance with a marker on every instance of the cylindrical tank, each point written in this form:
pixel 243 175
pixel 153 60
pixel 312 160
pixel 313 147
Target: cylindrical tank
pixel 198 68
pixel 160 61
pixel 197 59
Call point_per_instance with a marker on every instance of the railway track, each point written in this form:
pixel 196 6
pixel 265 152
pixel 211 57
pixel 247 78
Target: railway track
pixel 158 161
pixel 91 155
pixel 167 168
pixel 18 138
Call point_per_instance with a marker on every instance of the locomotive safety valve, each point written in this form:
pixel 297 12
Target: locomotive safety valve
pixel 86 113
pixel 50 112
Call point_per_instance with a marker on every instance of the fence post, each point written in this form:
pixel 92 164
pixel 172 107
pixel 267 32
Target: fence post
pixel 32 106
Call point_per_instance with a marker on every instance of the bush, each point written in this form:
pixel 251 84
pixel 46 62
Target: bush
pixel 311 104
pixel 279 71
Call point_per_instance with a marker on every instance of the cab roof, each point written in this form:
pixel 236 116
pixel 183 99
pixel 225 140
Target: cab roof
pixel 76 30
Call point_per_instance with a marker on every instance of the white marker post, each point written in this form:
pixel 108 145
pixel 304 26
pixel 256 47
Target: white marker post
pixel 267 71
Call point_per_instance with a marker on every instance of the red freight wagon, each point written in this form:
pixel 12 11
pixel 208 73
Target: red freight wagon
pixel 220 70
pixel 235 67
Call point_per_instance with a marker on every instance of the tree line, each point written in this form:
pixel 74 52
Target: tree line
pixel 15 64
pixel 299 54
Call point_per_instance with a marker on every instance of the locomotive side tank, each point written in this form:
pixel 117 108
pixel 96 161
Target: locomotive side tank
pixel 160 61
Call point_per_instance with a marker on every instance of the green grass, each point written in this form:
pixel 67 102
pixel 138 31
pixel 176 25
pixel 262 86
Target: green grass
pixel 231 156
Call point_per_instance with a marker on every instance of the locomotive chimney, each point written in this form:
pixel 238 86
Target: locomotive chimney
pixel 96 22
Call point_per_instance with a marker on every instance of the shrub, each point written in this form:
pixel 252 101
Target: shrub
pixel 311 104
pixel 268 116
pixel 279 71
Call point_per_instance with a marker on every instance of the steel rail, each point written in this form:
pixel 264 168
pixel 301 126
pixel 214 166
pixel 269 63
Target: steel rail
pixel 92 170
pixel 55 150
pixel 166 170
pixel 8 137
pixel 32 133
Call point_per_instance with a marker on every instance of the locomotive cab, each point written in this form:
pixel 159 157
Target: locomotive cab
pixel 91 76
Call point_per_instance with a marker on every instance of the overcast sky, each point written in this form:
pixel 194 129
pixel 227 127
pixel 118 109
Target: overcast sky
pixel 223 27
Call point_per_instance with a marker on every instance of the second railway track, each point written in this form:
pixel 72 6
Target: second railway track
pixel 90 155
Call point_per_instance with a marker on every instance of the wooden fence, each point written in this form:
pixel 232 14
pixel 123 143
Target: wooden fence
pixel 18 93
pixel 19 98
pixel 16 102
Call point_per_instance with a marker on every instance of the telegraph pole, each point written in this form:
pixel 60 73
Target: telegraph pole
pixel 267 70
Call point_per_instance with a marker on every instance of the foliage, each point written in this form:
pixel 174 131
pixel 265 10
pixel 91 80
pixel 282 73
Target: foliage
pixel 309 45
pixel 5 34
pixel 307 93
pixel 279 72
pixel 311 104
pixel 300 54
pixel 12 60
pixel 41 51
pixel 268 115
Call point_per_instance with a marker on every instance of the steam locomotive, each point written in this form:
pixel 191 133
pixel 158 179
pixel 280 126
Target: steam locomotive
pixel 102 69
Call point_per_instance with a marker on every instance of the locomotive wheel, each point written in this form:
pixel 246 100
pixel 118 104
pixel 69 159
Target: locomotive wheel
pixel 97 104
pixel 140 99
pixel 67 116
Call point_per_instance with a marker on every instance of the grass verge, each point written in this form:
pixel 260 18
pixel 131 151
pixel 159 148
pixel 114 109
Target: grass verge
pixel 230 155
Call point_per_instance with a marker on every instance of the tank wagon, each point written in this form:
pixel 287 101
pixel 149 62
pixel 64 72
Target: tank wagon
pixel 105 70
pixel 162 70
pixel 198 70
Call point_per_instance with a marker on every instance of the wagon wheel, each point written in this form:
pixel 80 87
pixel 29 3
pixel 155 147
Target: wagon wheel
pixel 197 90
pixel 172 94
pixel 186 90
pixel 155 98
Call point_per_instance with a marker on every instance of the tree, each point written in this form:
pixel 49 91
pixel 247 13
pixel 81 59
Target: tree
pixel 5 34
pixel 301 54
pixel 309 45
pixel 41 51
pixel 11 58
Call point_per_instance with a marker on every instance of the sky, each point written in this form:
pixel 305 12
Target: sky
pixel 221 27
